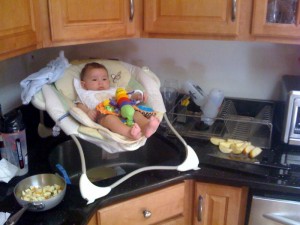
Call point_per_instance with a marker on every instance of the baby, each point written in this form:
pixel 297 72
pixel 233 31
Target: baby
pixel 94 78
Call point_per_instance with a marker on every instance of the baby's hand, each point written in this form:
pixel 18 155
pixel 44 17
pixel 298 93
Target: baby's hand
pixel 138 96
pixel 92 114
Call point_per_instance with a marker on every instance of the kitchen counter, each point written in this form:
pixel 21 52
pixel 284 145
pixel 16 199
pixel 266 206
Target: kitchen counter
pixel 73 209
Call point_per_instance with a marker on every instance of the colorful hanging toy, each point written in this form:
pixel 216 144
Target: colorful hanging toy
pixel 123 106
pixel 107 107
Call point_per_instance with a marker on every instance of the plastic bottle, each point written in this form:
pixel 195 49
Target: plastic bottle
pixel 195 91
pixel 14 138
pixel 212 106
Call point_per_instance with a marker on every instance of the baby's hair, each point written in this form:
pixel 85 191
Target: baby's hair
pixel 92 65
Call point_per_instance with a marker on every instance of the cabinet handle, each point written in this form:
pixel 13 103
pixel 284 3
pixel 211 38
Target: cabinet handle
pixel 147 213
pixel 200 208
pixel 233 15
pixel 131 9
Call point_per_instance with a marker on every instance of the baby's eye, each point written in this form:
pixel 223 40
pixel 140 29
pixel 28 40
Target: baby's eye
pixel 94 79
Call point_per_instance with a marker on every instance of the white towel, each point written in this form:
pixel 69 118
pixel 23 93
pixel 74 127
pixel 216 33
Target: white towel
pixel 34 82
pixel 3 217
pixel 7 170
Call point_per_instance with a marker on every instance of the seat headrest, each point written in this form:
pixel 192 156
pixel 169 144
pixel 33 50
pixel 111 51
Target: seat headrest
pixel 118 75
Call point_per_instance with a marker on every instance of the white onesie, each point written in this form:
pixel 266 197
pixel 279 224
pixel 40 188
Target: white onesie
pixel 92 98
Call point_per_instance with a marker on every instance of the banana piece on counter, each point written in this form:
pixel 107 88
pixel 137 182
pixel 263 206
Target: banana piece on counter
pixel 234 141
pixel 238 147
pixel 248 149
pixel 216 141
pixel 254 152
pixel 225 147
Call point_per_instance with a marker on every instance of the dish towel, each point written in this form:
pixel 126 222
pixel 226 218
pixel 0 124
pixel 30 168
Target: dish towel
pixel 7 170
pixel 3 217
pixel 47 75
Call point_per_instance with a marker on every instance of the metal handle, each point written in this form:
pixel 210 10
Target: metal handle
pixel 233 15
pixel 147 213
pixel 131 10
pixel 280 219
pixel 15 218
pixel 200 208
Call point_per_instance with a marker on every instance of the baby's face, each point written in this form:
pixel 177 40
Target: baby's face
pixel 95 79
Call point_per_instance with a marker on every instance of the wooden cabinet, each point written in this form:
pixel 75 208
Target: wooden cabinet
pixel 192 17
pixel 27 25
pixel 181 204
pixel 220 20
pixel 75 21
pixel 19 27
pixel 286 30
pixel 168 206
pixel 219 204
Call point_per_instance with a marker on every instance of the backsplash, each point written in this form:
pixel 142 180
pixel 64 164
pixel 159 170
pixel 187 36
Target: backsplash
pixel 239 69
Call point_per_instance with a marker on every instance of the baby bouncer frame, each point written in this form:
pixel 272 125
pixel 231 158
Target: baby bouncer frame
pixel 48 97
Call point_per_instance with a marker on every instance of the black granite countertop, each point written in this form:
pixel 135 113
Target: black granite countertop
pixel 74 210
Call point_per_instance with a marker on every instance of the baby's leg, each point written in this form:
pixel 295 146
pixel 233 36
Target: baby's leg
pixel 114 124
pixel 151 127
pixel 148 126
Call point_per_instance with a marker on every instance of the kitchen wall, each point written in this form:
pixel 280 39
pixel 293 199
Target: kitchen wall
pixel 240 69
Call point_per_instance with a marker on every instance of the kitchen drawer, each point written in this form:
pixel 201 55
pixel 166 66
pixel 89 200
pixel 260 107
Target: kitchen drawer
pixel 163 207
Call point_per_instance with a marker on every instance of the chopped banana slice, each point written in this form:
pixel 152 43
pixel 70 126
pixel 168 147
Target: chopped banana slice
pixel 225 147
pixel 225 144
pixel 248 149
pixel 234 140
pixel 236 146
pixel 255 152
pixel 216 141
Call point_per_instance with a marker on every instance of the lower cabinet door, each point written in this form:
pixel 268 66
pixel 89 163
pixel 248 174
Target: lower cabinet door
pixel 186 203
pixel 219 204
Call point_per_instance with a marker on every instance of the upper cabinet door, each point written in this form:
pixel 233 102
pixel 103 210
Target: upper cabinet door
pixel 18 27
pixel 192 17
pixel 88 20
pixel 276 18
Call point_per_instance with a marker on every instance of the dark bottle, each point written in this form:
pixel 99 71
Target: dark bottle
pixel 14 138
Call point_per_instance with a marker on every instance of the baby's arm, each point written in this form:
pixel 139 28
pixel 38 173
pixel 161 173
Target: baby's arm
pixel 92 114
